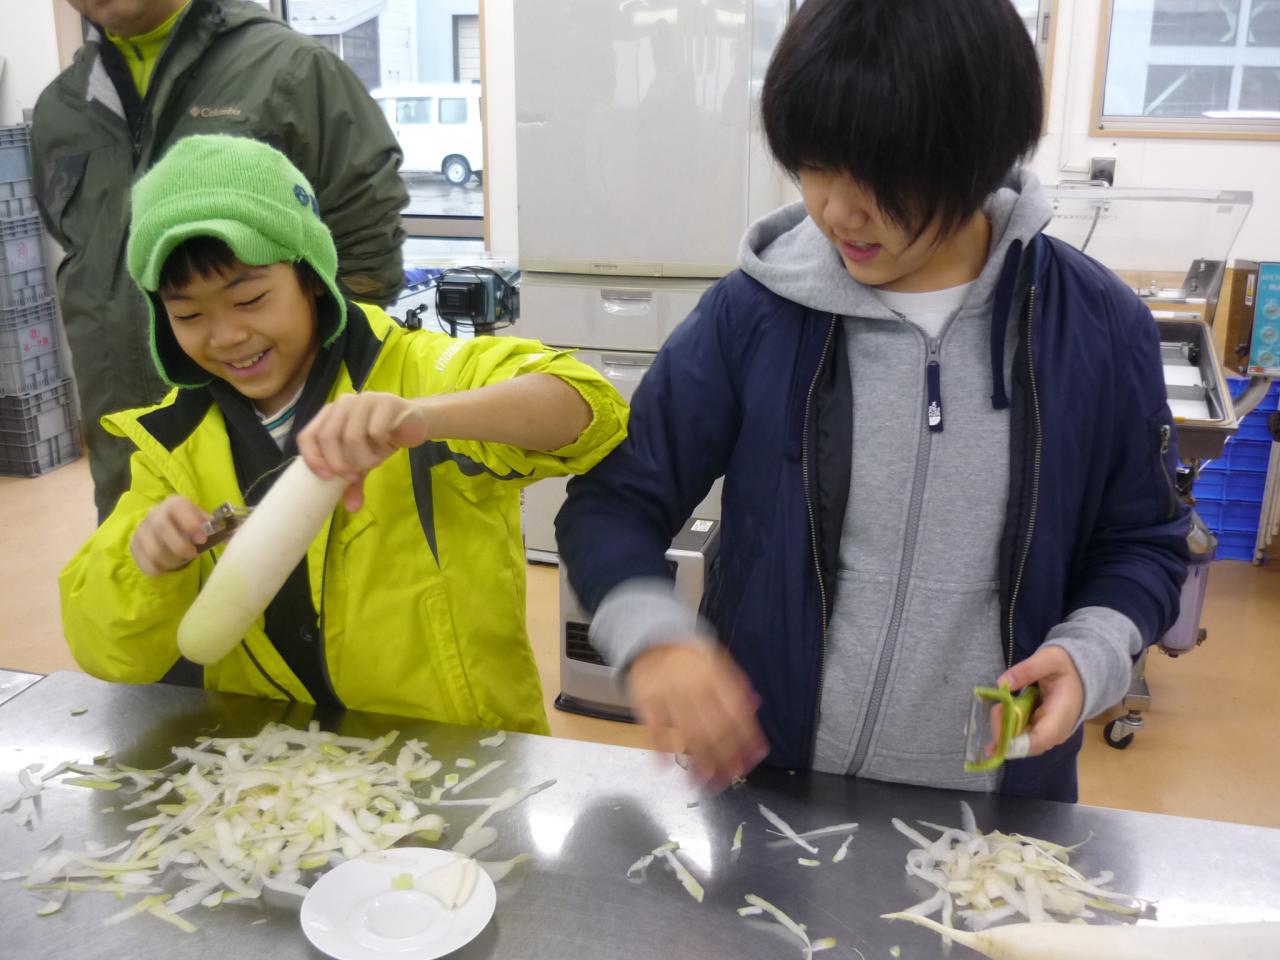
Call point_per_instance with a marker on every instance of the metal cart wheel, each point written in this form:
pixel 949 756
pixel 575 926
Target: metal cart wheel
pixel 1118 734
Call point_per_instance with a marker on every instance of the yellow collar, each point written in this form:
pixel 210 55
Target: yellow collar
pixel 142 52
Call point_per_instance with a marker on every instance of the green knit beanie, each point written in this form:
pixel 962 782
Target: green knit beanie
pixel 244 193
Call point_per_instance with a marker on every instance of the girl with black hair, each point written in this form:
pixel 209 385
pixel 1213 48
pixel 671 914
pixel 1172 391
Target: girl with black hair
pixel 947 456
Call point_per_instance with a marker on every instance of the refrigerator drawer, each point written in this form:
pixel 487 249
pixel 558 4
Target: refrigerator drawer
pixel 622 314
pixel 542 500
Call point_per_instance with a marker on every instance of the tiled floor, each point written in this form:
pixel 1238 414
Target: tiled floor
pixel 1210 748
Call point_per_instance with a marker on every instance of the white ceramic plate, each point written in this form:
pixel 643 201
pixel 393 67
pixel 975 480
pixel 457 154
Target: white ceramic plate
pixel 353 912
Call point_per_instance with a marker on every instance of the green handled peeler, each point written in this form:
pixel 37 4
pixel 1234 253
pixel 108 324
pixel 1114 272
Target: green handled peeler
pixel 997 724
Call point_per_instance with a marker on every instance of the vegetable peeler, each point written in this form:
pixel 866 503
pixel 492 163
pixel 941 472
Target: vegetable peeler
pixel 998 720
pixel 225 521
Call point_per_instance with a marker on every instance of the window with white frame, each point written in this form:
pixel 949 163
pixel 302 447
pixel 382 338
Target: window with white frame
pixel 1192 65
pixel 420 61
pixel 1037 15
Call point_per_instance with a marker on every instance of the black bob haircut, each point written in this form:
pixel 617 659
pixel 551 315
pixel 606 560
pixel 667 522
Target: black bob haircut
pixel 209 257
pixel 928 104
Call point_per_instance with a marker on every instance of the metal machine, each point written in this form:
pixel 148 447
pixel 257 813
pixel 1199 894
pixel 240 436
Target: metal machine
pixel 590 686
pixel 1170 246
pixel 480 299
pixel 459 296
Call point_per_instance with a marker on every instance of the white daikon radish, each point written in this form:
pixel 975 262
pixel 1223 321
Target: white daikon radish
pixel 473 843
pixel 452 884
pixel 784 828
pixel 1069 941
pixel 257 561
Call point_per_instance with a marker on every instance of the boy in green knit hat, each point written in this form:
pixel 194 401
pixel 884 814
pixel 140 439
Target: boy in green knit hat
pixel 411 599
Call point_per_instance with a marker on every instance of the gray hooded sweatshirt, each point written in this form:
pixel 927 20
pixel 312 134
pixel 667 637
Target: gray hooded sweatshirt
pixel 915 623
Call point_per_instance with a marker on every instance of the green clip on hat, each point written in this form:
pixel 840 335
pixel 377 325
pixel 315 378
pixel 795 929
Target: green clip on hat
pixel 244 193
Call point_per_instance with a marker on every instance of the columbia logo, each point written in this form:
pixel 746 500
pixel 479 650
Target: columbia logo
pixel 205 113
pixel 935 413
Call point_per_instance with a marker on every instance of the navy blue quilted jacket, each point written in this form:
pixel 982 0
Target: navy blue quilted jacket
pixel 755 388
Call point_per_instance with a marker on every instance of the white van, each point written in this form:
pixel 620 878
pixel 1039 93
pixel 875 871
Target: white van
pixel 438 126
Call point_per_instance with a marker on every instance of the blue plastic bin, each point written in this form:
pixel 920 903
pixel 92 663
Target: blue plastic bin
pixel 1252 456
pixel 1248 487
pixel 1236 546
pixel 1241 517
pixel 1211 484
pixel 1210 512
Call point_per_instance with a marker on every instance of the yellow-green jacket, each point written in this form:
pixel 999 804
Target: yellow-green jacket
pixel 421 593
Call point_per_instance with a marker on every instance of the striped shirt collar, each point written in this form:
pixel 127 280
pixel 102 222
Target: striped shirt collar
pixel 280 423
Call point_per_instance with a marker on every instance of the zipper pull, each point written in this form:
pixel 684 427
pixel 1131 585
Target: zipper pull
pixel 1166 433
pixel 933 376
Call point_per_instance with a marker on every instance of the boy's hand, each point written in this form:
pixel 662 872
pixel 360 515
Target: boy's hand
pixel 1061 695
pixel 168 536
pixel 358 431
pixel 694 699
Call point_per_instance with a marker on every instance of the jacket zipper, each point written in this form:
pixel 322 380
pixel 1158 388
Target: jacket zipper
pixel 1166 436
pixel 152 84
pixel 270 679
pixel 808 502
pixel 320 620
pixel 933 368
pixel 933 383
pixel 1038 442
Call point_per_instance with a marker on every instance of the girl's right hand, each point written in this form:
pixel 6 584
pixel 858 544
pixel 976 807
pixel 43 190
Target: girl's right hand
pixel 693 699
pixel 167 539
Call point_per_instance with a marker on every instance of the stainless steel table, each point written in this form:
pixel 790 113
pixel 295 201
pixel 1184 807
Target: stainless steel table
pixel 609 806
pixel 13 682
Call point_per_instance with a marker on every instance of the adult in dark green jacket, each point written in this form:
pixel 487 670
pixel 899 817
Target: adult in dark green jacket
pixel 225 66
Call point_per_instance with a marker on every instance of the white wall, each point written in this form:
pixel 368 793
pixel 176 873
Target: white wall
pixel 500 104
pixel 1193 164
pixel 397 42
pixel 29 46
pixel 435 37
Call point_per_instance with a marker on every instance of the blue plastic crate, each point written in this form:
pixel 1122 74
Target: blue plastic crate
pixel 1218 465
pixel 1236 546
pixel 1210 485
pixel 1269 402
pixel 1253 428
pixel 1247 487
pixel 1252 456
pixel 1240 517
pixel 1210 512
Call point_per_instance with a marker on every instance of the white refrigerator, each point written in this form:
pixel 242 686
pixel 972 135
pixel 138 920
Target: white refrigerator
pixel 641 163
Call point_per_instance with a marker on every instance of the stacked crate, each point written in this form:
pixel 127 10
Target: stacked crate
pixel 1229 490
pixel 37 426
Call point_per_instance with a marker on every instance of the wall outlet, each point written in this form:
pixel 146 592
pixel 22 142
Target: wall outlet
pixel 1103 168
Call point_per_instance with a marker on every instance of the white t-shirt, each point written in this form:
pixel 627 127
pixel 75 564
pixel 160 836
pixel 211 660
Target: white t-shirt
pixel 280 423
pixel 929 311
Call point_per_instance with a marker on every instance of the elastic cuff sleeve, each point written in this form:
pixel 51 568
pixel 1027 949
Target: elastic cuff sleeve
pixel 1101 643
pixel 604 432
pixel 643 613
